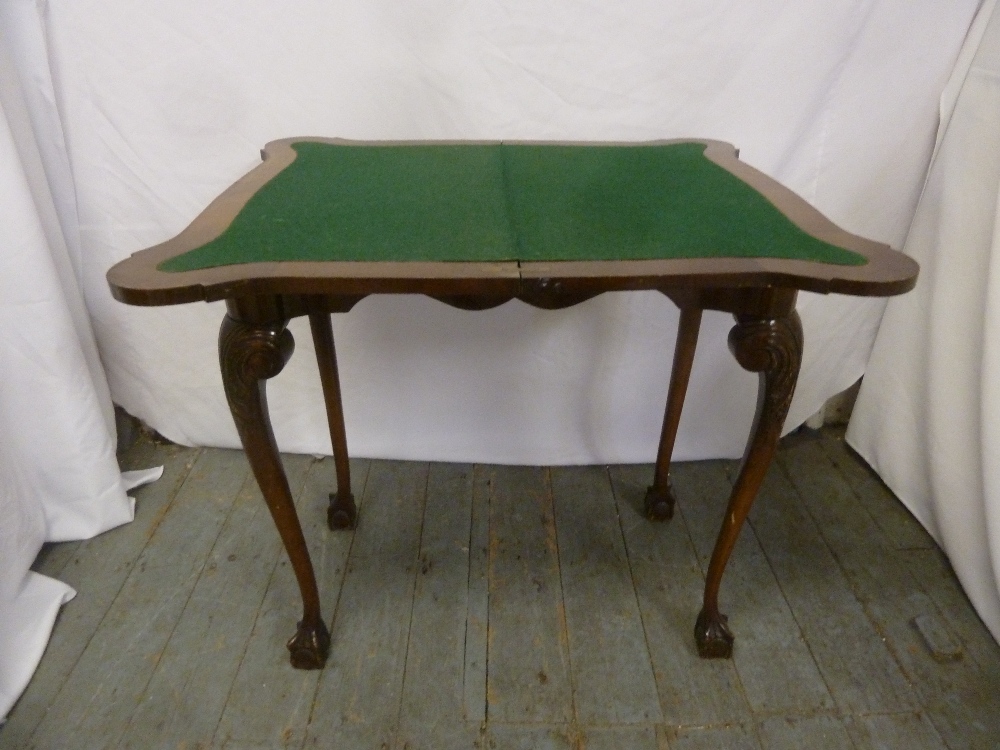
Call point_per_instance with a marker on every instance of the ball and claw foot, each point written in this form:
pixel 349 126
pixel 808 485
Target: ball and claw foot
pixel 342 513
pixel 714 639
pixel 659 505
pixel 310 646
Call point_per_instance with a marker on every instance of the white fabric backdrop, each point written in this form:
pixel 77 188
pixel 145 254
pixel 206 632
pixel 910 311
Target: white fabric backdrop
pixel 167 103
pixel 928 415
pixel 156 107
pixel 58 476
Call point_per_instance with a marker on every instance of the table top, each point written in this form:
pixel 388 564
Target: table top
pixel 330 216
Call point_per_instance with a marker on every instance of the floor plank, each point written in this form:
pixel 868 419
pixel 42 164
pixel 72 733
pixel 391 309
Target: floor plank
pixel 668 584
pixel 773 660
pixel 732 737
pixel 612 679
pixel 529 671
pixel 895 732
pixel 184 699
pixel 619 738
pixel 514 737
pixel 281 720
pixel 104 688
pixel 476 627
pixel 938 579
pixel 813 732
pixel 464 586
pixel 53 558
pixel 863 678
pixel 435 655
pixel 961 698
pixel 358 696
pixel 896 522
pixel 957 696
pixel 97 568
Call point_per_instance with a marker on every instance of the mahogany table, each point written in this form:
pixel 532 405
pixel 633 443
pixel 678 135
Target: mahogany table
pixel 322 223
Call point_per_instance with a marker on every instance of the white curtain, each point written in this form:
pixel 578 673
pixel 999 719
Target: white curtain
pixel 928 415
pixel 58 476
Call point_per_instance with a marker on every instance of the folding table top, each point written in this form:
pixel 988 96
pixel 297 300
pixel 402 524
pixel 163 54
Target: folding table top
pixel 331 209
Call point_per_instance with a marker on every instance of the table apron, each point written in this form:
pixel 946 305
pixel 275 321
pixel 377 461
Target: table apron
pixel 759 301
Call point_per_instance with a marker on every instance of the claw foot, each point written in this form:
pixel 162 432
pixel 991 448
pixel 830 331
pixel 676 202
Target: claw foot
pixel 714 639
pixel 310 646
pixel 659 505
pixel 342 513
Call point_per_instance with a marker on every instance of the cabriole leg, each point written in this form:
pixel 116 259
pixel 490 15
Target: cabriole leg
pixel 342 512
pixel 250 354
pixel 659 503
pixel 773 348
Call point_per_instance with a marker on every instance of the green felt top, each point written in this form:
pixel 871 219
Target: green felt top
pixel 505 202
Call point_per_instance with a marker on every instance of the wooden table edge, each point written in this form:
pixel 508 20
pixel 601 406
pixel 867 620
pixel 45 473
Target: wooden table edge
pixel 137 280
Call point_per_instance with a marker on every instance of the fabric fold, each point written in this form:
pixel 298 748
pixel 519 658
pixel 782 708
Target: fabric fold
pixel 60 477
pixel 928 414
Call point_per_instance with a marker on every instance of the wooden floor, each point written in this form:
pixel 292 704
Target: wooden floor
pixel 502 607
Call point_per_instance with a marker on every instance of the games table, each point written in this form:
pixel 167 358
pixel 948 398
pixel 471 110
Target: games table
pixel 323 223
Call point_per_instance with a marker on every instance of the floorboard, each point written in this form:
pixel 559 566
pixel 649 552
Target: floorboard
pixel 97 569
pixel 895 731
pixel 774 662
pixel 613 680
pixel 476 645
pixel 864 678
pixel 733 737
pixel 668 582
pixel 890 515
pixel 813 732
pixel 106 684
pixel 281 720
pixel 187 692
pixel 528 674
pixel 889 586
pixel 494 607
pixel 433 698
pixel 358 695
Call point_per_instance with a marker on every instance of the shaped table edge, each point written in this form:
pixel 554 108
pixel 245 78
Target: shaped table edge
pixel 138 281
